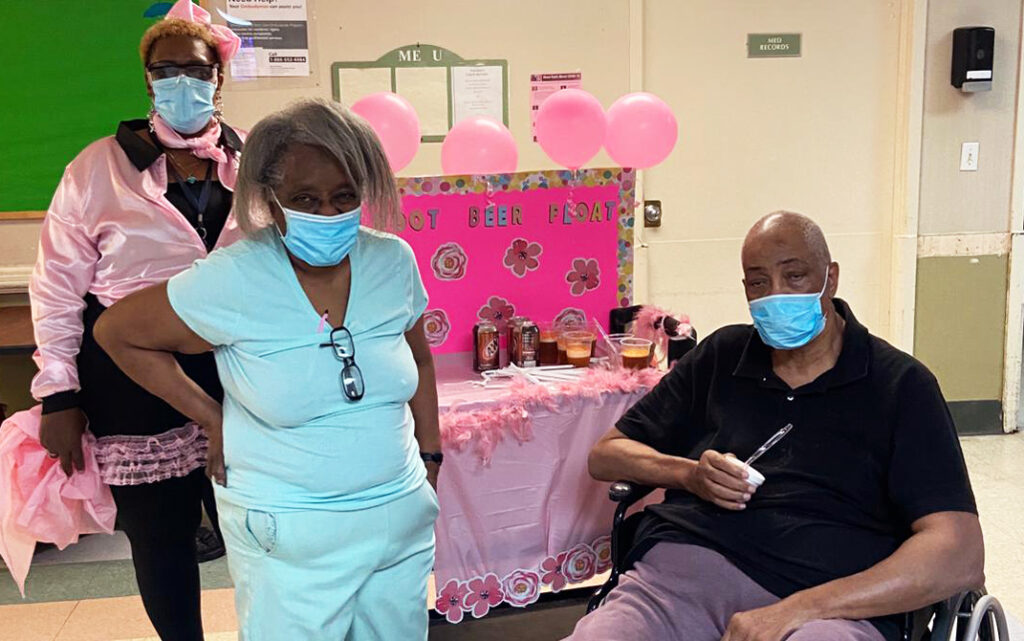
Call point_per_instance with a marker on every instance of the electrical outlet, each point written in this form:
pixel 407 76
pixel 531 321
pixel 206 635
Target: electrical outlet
pixel 969 156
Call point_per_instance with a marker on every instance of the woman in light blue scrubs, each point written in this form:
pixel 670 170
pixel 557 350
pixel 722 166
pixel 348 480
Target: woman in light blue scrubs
pixel 327 444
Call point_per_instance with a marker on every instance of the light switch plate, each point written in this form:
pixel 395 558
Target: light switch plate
pixel 969 156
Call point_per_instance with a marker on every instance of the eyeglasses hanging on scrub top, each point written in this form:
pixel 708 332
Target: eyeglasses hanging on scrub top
pixel 345 351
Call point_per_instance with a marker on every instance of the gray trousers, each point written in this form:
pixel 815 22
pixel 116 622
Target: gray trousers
pixel 689 593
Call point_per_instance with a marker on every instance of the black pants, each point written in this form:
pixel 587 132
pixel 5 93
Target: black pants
pixel 160 520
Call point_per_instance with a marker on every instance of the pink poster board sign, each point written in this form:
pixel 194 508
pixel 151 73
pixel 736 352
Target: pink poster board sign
pixel 543 245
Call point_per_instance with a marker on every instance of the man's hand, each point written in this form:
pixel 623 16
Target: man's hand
pixel 772 623
pixel 61 434
pixel 720 479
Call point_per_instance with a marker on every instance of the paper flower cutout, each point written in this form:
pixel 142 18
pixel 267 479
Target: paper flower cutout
pixel 603 550
pixel 436 326
pixel 521 256
pixel 449 262
pixel 584 276
pixel 571 316
pixel 580 563
pixel 554 572
pixel 449 600
pixel 484 593
pixel 522 587
pixel 497 310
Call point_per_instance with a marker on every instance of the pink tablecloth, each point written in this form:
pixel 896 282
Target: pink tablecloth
pixel 532 516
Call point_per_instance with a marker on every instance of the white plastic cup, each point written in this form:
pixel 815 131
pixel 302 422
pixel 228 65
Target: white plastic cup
pixel 754 477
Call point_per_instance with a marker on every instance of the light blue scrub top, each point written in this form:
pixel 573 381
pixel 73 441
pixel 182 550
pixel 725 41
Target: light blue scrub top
pixel 292 439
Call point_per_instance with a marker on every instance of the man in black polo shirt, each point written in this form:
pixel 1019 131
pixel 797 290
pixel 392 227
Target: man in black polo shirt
pixel 866 510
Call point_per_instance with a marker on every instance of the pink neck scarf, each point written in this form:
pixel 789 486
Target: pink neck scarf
pixel 204 145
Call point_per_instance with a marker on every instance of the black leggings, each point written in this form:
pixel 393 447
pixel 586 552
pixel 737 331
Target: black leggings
pixel 160 520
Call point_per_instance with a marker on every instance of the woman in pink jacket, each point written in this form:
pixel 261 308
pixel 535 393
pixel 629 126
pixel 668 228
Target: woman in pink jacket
pixel 133 210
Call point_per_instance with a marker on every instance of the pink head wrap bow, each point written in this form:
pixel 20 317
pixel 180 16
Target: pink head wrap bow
pixel 227 41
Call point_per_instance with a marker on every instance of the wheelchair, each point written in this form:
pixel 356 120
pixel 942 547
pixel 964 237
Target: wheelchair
pixel 963 617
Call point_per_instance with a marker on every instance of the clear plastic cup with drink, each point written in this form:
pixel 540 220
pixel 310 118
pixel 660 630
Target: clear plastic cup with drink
pixel 610 347
pixel 549 344
pixel 635 352
pixel 560 330
pixel 579 345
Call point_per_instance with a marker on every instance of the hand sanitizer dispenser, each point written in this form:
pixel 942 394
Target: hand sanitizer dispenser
pixel 972 58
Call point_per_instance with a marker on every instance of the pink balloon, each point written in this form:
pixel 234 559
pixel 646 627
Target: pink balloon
pixel 570 127
pixel 479 145
pixel 642 130
pixel 394 120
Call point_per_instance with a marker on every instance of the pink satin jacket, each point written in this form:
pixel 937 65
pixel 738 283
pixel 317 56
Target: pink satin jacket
pixel 109 231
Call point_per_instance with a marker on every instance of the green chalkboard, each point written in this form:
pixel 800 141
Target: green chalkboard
pixel 71 72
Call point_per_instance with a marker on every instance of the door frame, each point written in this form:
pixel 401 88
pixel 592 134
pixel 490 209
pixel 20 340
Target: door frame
pixel 1013 355
pixel 913 16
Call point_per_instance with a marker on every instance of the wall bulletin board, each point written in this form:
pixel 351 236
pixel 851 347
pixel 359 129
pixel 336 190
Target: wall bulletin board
pixel 540 244
pixel 439 83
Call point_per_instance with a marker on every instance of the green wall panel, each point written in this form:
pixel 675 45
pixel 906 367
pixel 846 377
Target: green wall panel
pixel 960 323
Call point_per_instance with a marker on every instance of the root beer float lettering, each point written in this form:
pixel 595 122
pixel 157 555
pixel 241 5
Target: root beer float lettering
pixel 581 212
pixel 496 216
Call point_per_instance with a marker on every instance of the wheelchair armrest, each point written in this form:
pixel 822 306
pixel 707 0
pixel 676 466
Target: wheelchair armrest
pixel 626 493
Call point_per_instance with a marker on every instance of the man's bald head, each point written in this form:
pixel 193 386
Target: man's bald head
pixel 794 226
pixel 786 253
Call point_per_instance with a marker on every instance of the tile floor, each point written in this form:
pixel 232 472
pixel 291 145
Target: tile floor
pixel 997 471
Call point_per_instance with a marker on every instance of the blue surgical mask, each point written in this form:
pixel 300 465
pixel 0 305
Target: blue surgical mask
pixel 186 103
pixel 789 321
pixel 321 241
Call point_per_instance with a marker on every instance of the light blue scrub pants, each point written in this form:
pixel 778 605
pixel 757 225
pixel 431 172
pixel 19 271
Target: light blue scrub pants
pixel 332 576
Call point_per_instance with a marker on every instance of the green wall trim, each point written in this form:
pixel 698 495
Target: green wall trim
pixel 977 417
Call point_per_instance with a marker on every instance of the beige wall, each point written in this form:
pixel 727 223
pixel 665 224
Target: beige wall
pixel 953 201
pixel 18 243
pixel 815 134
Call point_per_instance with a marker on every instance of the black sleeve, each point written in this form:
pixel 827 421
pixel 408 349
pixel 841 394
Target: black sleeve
pixel 927 473
pixel 660 418
pixel 60 401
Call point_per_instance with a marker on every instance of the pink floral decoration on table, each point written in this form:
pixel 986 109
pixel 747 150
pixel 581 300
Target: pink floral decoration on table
pixel 522 588
pixel 580 563
pixel 449 600
pixel 553 568
pixel 584 276
pixel 449 262
pixel 436 326
pixel 497 310
pixel 483 429
pixel 522 255
pixel 484 593
pixel 603 550
pixel 571 316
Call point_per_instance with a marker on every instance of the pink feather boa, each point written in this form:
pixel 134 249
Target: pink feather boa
pixel 647 324
pixel 483 429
